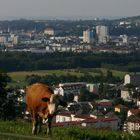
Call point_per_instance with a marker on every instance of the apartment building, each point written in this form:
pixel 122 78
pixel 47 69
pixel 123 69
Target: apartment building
pixel 88 36
pixel 102 34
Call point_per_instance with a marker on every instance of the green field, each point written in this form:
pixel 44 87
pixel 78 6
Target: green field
pixel 19 77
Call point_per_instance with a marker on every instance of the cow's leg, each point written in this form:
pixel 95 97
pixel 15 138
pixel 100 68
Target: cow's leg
pixel 39 124
pixel 49 125
pixel 49 128
pixel 34 123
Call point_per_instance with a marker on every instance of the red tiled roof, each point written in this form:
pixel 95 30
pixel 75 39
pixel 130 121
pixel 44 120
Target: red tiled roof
pixel 84 121
pixel 66 123
pixel 134 111
pixel 83 116
pixel 64 114
pixel 133 119
pixel 104 104
pixel 101 119
pixel 138 99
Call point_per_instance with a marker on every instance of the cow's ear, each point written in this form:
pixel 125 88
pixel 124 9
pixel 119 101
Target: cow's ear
pixel 45 99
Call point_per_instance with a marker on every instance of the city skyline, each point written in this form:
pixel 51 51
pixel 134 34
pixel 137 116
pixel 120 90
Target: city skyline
pixel 68 9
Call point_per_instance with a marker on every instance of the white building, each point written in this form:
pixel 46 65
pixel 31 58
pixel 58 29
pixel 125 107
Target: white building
pixel 102 34
pixel 69 88
pixel 132 124
pixel 93 88
pixel 63 117
pixel 133 111
pixel 124 39
pixel 15 39
pixel 125 94
pixel 88 36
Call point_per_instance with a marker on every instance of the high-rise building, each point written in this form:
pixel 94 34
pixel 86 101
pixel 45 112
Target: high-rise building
pixel 88 36
pixel 14 39
pixel 102 34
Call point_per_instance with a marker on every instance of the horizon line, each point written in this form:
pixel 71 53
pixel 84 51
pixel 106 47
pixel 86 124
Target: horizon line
pixel 65 17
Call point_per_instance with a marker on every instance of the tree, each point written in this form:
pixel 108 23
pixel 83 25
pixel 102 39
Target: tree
pixel 85 95
pixel 117 101
pixel 101 88
pixel 8 99
pixel 3 93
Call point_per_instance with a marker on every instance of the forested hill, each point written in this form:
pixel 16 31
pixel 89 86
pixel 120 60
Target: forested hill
pixel 25 61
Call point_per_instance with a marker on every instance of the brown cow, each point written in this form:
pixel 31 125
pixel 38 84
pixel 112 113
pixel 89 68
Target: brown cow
pixel 42 103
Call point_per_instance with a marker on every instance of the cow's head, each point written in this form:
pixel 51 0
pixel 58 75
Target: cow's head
pixel 53 103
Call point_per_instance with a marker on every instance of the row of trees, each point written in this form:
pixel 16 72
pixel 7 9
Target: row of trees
pixel 54 79
pixel 22 24
pixel 21 61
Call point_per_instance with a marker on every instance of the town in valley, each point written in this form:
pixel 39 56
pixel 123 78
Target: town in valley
pixel 103 105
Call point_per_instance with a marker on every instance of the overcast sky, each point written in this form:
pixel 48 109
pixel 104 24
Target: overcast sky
pixel 68 8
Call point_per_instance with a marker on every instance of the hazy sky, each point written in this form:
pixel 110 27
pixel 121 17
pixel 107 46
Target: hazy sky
pixel 68 8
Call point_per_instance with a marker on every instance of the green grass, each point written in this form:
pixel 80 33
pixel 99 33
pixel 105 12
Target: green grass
pixel 63 133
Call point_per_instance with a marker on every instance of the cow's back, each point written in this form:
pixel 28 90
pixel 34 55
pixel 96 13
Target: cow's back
pixel 34 95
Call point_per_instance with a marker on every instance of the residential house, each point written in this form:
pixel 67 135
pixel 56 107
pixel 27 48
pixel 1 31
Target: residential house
pixel 125 94
pixel 133 111
pixel 68 117
pixel 119 108
pixel 132 124
pixel 63 117
pixel 104 105
pixel 70 88
pixel 113 115
pixel 96 114
pixel 93 88
pixel 80 107
pixel 132 79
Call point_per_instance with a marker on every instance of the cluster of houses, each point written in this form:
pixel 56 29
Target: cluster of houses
pixel 102 114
